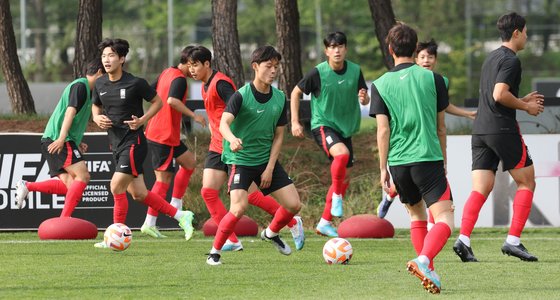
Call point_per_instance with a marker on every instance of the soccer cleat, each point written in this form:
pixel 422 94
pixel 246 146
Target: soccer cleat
pixel 429 279
pixel 383 207
pixel 231 246
pixel 298 234
pixel 277 242
pixel 21 193
pixel 186 223
pixel 214 259
pixel 336 207
pixel 464 252
pixel 151 231
pixel 101 245
pixel 518 251
pixel 326 230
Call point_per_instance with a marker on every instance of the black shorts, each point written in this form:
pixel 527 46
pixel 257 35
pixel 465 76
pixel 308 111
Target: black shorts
pixel 214 161
pixel 129 158
pixel 326 137
pixel 69 155
pixel 489 149
pixel 425 180
pixel 241 177
pixel 163 156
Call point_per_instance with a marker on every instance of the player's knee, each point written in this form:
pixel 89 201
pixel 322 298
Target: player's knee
pixel 84 177
pixel 139 195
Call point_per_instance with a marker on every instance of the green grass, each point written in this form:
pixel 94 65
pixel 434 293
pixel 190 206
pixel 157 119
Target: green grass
pixel 174 268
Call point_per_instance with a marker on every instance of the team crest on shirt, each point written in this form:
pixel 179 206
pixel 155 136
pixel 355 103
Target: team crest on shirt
pixel 123 93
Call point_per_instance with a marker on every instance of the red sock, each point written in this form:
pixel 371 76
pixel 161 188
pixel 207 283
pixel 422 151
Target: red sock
pixel 345 186
pixel 120 209
pixel 430 217
pixel 338 172
pixel 154 201
pixel 521 208
pixel 471 211
pixel 73 196
pixel 328 204
pixel 181 182
pixel 216 208
pixel 51 186
pixel 418 231
pixel 266 203
pixel 435 240
pixel 159 188
pixel 281 218
pixel 225 229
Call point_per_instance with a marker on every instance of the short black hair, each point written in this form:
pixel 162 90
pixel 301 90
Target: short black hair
pixel 265 53
pixel 120 46
pixel 335 39
pixel 94 65
pixel 185 54
pixel 200 54
pixel 402 39
pixel 430 46
pixel 508 23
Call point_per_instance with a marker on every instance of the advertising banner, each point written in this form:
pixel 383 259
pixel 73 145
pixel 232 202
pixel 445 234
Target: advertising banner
pixel 20 158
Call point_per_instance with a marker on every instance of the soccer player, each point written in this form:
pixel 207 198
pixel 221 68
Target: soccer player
pixel 216 90
pixel 426 57
pixel 163 134
pixel 337 87
pixel 62 144
pixel 496 137
pixel 117 107
pixel 252 127
pixel 409 103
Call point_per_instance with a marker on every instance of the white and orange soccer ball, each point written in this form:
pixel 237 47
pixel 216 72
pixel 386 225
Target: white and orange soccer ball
pixel 118 237
pixel 337 251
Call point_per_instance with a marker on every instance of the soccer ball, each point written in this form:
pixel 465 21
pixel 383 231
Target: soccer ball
pixel 337 251
pixel 118 237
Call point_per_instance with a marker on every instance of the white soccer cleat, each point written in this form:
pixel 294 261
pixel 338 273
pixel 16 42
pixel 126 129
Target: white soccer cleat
pixel 21 193
pixel 298 234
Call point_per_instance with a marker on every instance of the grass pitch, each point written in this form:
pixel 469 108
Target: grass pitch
pixel 174 268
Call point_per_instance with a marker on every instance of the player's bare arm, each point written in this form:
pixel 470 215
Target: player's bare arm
pixel 99 118
pixel 363 97
pixel 178 105
pixel 383 134
pixel 56 146
pixel 297 128
pixel 235 144
pixel 136 122
pixel 532 103
pixel 266 176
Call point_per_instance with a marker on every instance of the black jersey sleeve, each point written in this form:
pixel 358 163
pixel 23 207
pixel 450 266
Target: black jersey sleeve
pixel 311 83
pixel 225 90
pixel 362 82
pixel 441 90
pixel 509 71
pixel 178 88
pixel 146 91
pixel 283 120
pixel 155 83
pixel 234 104
pixel 378 106
pixel 78 95
pixel 95 97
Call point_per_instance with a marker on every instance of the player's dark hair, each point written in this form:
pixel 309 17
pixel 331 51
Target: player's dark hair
pixel 430 47
pixel 94 65
pixel 200 54
pixel 265 53
pixel 185 54
pixel 336 38
pixel 119 46
pixel 508 23
pixel 402 39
